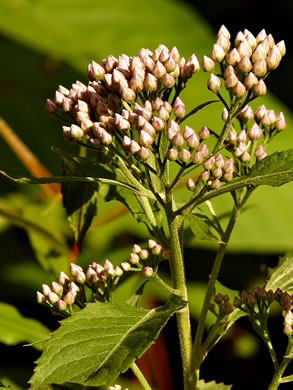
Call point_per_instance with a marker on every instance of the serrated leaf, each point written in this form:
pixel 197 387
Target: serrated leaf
pixel 201 228
pixel 15 328
pixel 282 275
pixel 99 342
pixel 213 386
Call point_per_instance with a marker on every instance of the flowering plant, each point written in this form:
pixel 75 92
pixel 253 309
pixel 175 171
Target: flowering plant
pixel 136 148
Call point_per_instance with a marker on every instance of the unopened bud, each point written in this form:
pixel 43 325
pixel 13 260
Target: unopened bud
pixel 233 58
pixel 214 83
pixel 218 53
pixel 259 68
pixel 245 65
pixel 250 80
pixel 179 111
pixel 192 141
pixel 208 65
pixel 125 266
pixel 239 89
pixel 259 89
pixel 151 243
pixel 143 153
pixel 40 297
pixel 57 288
pixel 225 114
pixel 46 289
pixel 148 271
pixel 269 118
pixel 197 158
pixel 52 297
pixel 280 122
pixel 134 258
pixel 145 139
pixel 216 184
pixel 190 184
pixel 144 254
pixel 159 70
pixel 204 132
pixel 184 155
pixel 172 154
pixel 203 149
pixel 231 81
pixel 69 298
pixel 177 140
pixel 254 132
pixel 168 80
pixel 156 249
pixel 51 107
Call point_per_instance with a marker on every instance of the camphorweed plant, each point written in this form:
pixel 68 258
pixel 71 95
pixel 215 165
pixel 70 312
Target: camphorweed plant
pixel 135 146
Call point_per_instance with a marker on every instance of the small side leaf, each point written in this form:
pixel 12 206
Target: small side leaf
pixel 99 342
pixel 15 328
pixel 282 275
pixel 201 227
pixel 213 386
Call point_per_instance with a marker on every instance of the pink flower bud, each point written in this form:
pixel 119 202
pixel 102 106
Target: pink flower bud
pixel 245 65
pixel 125 266
pixel 76 132
pixel 225 114
pixel 145 139
pixel 209 163
pixel 232 136
pixel 280 122
pixel 95 71
pixel 172 155
pixel 229 165
pixel 174 53
pixel 246 113
pixel 241 136
pixel 159 70
pixel 134 258
pixel 223 31
pixel 144 254
pixel 148 271
pixel 269 118
pixel 157 103
pixel 136 83
pixel 204 132
pixel 177 140
pixel 231 81
pixel 193 63
pixel 216 184
pixel 239 89
pixel 228 71
pixel 51 107
pixel 143 153
pixel 156 249
pixel 168 80
pixel 223 42
pixel 244 49
pixel 250 38
pixel 273 59
pixel 151 82
pixel 128 95
pixel 192 141
pixel 52 297
pixel 188 131
pixel 261 36
pixel 233 58
pixel 203 149
pixel 260 111
pixel 158 124
pixel 228 176
pixel 164 55
pixel 63 278
pixel 254 132
pixel 140 122
pixel 258 54
pixel 170 64
pixel 40 297
pixel 259 151
pixel 134 147
pixel 245 157
pixel 219 161
pixel 217 173
pixel 197 158
pixel 176 72
pixel 260 68
pixel 214 83
pixel 218 53
pixel 179 111
pixel 151 243
pixel 57 288
pixel 281 47
pixel 184 155
pixel 68 299
pixel 126 142
pixel 148 128
pixel 207 64
pixel 163 114
pixel 239 38
pixel 204 176
pixel 190 184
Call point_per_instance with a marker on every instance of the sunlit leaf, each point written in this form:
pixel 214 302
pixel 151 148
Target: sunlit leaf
pixel 282 275
pixel 15 328
pixel 99 342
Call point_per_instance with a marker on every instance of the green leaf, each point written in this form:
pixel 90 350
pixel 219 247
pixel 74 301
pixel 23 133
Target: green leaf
pixel 201 227
pixel 282 275
pixel 135 299
pixel 15 328
pixel 213 386
pixel 99 342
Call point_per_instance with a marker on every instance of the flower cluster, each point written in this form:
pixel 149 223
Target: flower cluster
pixel 98 282
pixel 126 100
pixel 222 306
pixel 245 65
pixel 257 303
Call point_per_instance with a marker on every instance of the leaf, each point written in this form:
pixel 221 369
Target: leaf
pixel 282 275
pixel 213 386
pixel 201 227
pixel 135 299
pixel 15 328
pixel 99 342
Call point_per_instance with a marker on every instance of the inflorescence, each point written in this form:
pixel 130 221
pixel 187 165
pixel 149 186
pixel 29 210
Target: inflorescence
pixel 132 108
pixel 256 304
pixel 98 281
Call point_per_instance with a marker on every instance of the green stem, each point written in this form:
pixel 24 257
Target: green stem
pixel 165 285
pixel 198 353
pixel 179 283
pixel 277 378
pixel 139 375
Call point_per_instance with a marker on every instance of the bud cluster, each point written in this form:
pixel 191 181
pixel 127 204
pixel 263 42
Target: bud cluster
pixel 245 63
pixel 125 94
pixel 222 306
pixel 98 282
pixel 257 304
